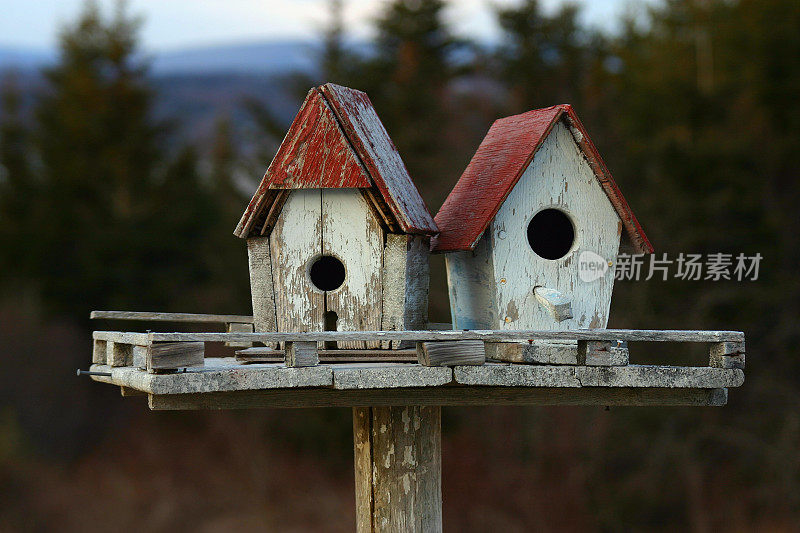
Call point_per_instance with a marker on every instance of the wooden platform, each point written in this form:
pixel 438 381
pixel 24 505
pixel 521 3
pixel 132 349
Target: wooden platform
pixel 225 383
pixel 145 363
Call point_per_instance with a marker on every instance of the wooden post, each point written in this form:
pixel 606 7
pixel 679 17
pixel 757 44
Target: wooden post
pixel 398 468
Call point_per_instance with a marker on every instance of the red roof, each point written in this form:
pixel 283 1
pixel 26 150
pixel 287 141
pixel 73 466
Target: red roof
pixel 497 166
pixel 337 141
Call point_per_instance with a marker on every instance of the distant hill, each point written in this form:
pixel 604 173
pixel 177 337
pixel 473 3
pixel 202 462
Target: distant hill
pixel 270 57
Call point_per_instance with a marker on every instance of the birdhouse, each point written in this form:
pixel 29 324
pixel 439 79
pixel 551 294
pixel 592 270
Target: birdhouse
pixel 533 227
pixel 338 236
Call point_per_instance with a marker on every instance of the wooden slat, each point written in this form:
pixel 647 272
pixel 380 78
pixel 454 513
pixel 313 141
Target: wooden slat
pixel 631 335
pixel 602 353
pixel 451 353
pixel 266 355
pixel 169 317
pixel 454 396
pixel 727 355
pixel 124 337
pixel 301 354
pixel 174 355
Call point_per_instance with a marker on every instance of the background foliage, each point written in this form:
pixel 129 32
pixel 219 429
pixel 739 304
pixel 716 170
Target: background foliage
pixel 105 206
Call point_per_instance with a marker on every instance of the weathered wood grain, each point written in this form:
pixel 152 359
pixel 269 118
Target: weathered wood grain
pixel 99 352
pixel 472 287
pixel 300 354
pixel 146 316
pixel 406 279
pixel 262 293
pixel 451 353
pixel 124 337
pixel 267 355
pixel 351 233
pixel 727 355
pixel 537 352
pixel 602 353
pixel 630 335
pixel 295 241
pixel 380 157
pixel 174 355
pixel 239 328
pixel 398 456
pixel 559 176
pixel 556 303
pixel 442 396
pixel 118 354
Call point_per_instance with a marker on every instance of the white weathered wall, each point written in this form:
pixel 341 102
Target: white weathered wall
pixel 336 222
pixel 558 177
pixel 351 233
pixel 471 286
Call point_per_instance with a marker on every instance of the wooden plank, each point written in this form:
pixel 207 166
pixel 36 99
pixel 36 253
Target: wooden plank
pixel 301 354
pixel 353 235
pixel 602 353
pixel 174 355
pixel 147 316
pixel 363 463
pixel 536 352
pixel 239 328
pixel 139 357
pixel 727 355
pixel 449 396
pixel 123 337
pixel 99 352
pixel 261 284
pixel 127 392
pixel 406 475
pixel 265 355
pixel 451 353
pixel 118 354
pixel 630 335
pixel 295 241
pixel 406 280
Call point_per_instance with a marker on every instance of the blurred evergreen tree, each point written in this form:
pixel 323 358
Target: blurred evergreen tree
pixel 118 223
pixel 17 186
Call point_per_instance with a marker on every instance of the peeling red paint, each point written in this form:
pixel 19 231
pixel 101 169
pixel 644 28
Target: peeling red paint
pixel 498 164
pixel 337 141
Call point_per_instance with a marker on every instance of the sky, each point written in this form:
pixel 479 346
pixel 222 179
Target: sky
pixel 179 24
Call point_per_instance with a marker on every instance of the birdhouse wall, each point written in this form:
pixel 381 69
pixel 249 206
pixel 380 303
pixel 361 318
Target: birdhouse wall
pixel 492 286
pixel 558 177
pixel 471 286
pixel 406 275
pixel 261 292
pixel 386 275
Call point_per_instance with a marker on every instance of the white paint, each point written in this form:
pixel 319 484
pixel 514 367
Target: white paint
pixel 296 239
pixel 351 233
pixel 558 177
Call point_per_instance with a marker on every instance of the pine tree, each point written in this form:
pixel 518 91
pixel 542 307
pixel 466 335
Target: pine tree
pixel 17 188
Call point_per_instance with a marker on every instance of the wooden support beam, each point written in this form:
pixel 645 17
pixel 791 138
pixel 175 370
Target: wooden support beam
pixel 174 355
pixel 239 327
pixel 398 468
pixel 602 353
pixel 147 316
pixel 537 352
pixel 300 354
pixel 727 355
pixel 454 396
pixel 451 353
pixel 631 335
pixel 119 354
pixel 99 352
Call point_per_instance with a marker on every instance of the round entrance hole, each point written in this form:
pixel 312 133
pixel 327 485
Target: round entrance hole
pixel 551 234
pixel 327 273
